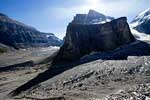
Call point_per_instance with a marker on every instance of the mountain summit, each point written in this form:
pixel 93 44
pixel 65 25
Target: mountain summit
pixel 82 39
pixel 93 17
pixel 142 22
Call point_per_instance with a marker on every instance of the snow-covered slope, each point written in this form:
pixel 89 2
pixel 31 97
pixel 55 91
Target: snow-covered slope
pixel 142 22
pixel 140 36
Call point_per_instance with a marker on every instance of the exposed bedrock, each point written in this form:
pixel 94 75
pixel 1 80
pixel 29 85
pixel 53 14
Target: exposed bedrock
pixel 83 39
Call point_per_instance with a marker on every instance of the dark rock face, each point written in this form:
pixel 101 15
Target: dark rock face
pixel 83 39
pixel 19 35
pixel 142 22
pixel 92 17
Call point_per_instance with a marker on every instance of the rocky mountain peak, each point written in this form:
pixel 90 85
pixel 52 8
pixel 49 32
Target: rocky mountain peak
pixel 94 13
pixel 93 17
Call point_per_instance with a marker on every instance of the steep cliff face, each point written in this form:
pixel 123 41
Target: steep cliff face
pixel 19 35
pixel 82 39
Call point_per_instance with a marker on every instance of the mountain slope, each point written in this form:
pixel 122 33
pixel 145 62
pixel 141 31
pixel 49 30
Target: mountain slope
pixel 142 22
pixel 19 35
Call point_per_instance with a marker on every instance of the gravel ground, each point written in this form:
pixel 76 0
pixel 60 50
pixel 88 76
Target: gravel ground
pixel 96 80
pixel 11 79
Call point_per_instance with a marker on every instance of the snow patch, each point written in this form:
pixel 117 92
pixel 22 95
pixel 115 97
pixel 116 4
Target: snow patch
pixel 98 21
pixel 140 36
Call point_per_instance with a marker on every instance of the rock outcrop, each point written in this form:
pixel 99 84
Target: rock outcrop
pixel 139 92
pixel 82 39
pixel 19 35
pixel 142 22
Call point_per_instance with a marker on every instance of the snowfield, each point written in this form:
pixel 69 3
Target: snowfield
pixel 140 36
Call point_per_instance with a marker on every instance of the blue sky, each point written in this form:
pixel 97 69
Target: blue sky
pixel 54 15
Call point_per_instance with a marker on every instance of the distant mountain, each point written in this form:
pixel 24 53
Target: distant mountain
pixel 19 35
pixel 93 17
pixel 142 22
pixel 53 40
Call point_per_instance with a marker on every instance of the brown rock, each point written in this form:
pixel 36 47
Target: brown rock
pixel 83 39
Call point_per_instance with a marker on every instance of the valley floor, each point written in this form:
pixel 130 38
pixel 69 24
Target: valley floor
pixel 15 69
pixel 25 55
pixel 10 80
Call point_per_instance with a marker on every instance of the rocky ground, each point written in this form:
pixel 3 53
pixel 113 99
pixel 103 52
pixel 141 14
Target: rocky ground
pixel 138 92
pixel 97 80
pixel 10 80
pixel 100 79
pixel 12 76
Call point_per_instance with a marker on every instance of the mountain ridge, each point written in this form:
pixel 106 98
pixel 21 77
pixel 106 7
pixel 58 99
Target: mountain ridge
pixel 5 18
pixel 18 35
pixel 93 17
